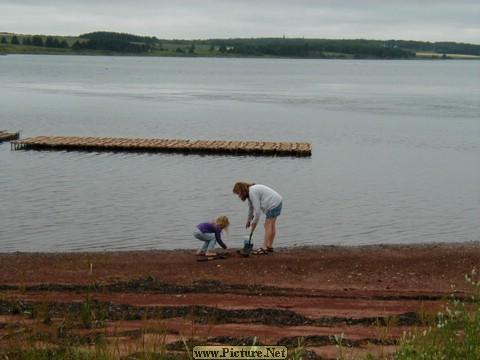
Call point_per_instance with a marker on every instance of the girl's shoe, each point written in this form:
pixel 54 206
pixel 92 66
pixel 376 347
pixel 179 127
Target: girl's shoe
pixel 200 253
pixel 270 249
pixel 209 254
pixel 260 251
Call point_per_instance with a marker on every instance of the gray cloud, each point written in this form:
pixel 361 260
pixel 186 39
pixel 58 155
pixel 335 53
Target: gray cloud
pixel 427 20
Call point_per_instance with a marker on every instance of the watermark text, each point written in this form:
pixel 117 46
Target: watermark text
pixel 240 352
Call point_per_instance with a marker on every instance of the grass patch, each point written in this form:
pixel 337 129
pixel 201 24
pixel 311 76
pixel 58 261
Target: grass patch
pixel 455 333
pixel 452 333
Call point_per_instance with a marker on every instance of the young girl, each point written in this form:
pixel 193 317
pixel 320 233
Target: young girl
pixel 210 233
pixel 261 199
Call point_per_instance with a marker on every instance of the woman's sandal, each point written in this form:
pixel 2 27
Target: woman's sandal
pixel 270 249
pixel 260 251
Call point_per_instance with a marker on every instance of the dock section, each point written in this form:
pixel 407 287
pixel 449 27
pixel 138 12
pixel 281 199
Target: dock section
pixel 224 147
pixel 7 136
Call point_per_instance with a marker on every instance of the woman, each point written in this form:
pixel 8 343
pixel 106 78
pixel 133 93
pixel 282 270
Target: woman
pixel 261 199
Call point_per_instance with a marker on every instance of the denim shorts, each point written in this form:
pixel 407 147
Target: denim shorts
pixel 273 213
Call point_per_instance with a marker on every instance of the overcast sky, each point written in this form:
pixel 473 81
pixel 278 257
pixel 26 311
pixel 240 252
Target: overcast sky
pixel 425 20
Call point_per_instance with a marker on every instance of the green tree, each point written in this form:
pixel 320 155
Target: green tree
pixel 50 42
pixel 37 40
pixel 55 43
pixel 77 45
pixel 14 40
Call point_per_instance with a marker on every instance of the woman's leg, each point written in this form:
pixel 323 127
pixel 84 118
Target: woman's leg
pixel 269 233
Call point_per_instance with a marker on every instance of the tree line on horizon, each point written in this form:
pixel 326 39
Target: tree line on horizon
pixel 273 47
pixel 37 40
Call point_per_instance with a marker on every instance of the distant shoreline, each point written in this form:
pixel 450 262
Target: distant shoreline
pixel 120 44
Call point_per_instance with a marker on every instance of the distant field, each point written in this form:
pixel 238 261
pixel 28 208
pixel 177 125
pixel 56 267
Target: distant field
pixel 452 56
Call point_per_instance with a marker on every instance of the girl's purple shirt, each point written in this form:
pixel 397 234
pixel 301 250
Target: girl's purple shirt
pixel 208 227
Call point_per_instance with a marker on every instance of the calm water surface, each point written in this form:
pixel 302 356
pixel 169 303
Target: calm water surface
pixel 396 149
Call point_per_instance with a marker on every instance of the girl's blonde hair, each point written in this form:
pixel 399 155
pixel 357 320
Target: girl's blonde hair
pixel 223 222
pixel 241 189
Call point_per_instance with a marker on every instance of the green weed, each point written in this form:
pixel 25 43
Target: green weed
pixel 455 333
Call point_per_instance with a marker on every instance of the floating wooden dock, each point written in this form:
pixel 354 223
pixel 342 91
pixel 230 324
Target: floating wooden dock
pixel 6 136
pixel 75 143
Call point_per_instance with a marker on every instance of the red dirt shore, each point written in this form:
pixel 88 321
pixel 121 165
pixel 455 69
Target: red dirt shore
pixel 303 298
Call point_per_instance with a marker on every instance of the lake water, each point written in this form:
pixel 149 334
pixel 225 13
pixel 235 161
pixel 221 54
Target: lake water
pixel 396 150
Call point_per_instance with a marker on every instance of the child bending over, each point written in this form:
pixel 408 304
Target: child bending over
pixel 210 234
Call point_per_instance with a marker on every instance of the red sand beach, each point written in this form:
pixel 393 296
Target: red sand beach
pixel 304 295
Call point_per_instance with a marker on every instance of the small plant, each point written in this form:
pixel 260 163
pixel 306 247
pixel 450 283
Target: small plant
pixel 298 352
pixel 88 309
pixel 338 345
pixel 187 349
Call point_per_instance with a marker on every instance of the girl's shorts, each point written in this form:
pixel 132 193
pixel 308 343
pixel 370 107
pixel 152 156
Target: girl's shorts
pixel 273 213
